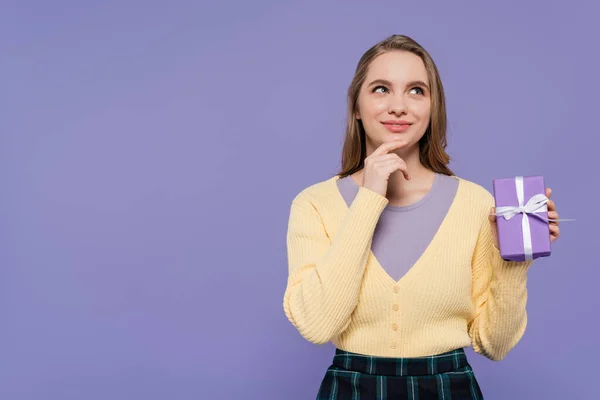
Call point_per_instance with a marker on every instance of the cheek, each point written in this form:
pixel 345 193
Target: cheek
pixel 379 106
pixel 373 107
pixel 422 109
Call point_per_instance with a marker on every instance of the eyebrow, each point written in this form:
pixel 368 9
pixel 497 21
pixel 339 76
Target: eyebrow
pixel 388 83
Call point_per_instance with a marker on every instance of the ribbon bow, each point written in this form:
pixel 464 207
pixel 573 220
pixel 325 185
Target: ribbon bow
pixel 536 204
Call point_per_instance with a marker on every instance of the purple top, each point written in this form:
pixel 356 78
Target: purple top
pixel 404 232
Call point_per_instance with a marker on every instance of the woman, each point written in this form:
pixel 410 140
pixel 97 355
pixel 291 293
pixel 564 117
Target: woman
pixel 395 259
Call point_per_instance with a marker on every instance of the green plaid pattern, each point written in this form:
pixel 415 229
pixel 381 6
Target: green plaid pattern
pixel 353 376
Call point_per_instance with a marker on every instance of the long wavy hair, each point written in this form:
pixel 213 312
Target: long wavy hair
pixel 432 146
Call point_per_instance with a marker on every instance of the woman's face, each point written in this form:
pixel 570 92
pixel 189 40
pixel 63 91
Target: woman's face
pixel 394 100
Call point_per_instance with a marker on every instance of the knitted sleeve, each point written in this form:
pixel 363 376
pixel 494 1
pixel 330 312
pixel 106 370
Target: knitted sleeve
pixel 499 294
pixel 325 274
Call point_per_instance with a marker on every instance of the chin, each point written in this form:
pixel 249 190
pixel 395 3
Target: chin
pixel 393 136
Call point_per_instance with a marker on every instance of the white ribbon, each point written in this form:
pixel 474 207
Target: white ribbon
pixel 535 205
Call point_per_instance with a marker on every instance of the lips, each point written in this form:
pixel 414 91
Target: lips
pixel 397 126
pixel 396 122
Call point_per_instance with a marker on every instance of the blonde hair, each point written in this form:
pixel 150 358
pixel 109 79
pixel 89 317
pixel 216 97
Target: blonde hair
pixel 432 145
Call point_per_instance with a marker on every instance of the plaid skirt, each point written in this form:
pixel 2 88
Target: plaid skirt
pixel 353 376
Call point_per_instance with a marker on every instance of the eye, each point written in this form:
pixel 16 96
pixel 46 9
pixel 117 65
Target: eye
pixel 380 89
pixel 422 92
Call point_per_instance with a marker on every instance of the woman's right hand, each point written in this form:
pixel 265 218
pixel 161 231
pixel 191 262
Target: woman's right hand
pixel 379 165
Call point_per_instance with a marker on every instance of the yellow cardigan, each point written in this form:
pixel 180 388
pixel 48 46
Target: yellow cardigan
pixel 459 293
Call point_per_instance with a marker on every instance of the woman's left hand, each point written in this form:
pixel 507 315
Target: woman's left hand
pixel 552 214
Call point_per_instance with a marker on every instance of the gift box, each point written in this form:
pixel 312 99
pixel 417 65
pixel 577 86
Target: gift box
pixel 522 218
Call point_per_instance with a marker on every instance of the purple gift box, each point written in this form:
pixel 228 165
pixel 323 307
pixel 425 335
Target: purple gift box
pixel 513 236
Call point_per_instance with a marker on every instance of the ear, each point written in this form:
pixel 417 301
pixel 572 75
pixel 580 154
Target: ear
pixel 357 115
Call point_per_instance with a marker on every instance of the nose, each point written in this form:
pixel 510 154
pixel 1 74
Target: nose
pixel 397 105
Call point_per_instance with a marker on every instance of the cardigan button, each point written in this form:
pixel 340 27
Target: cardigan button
pixel 396 289
pixel 394 327
pixel 393 346
pixel 395 307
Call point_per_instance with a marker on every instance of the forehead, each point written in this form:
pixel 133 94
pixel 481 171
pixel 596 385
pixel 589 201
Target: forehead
pixel 397 66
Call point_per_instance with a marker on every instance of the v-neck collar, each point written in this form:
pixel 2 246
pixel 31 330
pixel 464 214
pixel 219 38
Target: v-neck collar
pixel 416 269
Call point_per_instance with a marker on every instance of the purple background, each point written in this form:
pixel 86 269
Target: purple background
pixel 149 153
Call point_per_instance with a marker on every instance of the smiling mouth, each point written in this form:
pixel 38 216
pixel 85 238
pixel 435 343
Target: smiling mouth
pixel 396 127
